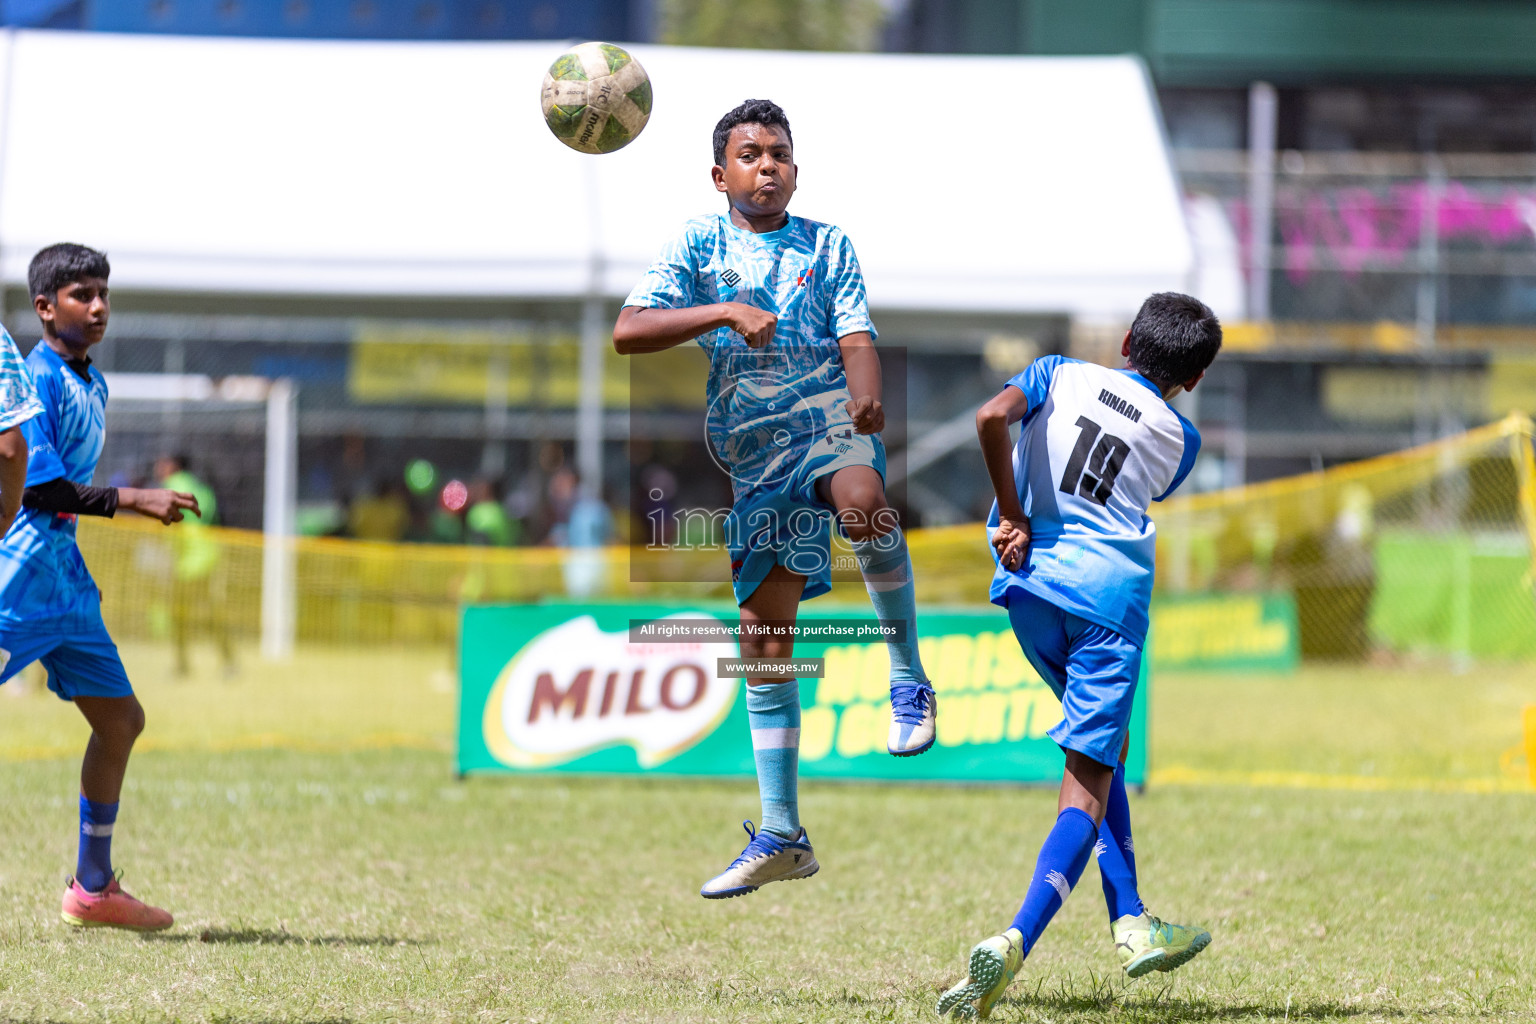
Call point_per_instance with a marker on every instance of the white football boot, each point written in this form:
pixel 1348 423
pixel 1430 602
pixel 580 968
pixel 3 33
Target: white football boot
pixel 767 858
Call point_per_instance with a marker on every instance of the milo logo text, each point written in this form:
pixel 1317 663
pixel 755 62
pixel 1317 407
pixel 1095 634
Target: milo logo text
pixel 575 689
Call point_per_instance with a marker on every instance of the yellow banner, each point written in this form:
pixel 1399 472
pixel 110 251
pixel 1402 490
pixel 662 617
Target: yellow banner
pixel 394 363
pixel 406 363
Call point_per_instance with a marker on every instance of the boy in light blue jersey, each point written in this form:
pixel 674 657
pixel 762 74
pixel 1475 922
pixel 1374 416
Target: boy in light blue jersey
pixel 18 404
pixel 50 609
pixel 795 417
pixel 1074 549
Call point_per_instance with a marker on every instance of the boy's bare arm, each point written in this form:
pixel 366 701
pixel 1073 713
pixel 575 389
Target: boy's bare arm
pixel 158 503
pixel 13 475
pixel 642 329
pixel 1011 538
pixel 861 365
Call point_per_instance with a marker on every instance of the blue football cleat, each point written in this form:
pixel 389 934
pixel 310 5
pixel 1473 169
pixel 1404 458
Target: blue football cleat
pixel 914 717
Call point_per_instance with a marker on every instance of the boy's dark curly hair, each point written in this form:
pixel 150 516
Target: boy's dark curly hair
pixel 750 112
pixel 1173 338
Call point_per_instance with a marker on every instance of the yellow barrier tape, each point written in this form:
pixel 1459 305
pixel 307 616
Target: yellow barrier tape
pixel 1420 462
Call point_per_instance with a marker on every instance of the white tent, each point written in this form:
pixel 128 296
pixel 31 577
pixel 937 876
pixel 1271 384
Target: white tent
pixel 1009 185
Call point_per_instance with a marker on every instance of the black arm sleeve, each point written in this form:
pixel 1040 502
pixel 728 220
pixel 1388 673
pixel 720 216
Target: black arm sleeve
pixel 66 496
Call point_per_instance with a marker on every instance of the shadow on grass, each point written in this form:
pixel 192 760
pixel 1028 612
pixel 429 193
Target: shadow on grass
pixel 1160 1009
pixel 268 937
pixel 1088 1008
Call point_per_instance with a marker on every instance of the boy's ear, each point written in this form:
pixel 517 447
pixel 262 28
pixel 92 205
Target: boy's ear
pixel 1190 384
pixel 718 174
pixel 43 307
pixel 1125 346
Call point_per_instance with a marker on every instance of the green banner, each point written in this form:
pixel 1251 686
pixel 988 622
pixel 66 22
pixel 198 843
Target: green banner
pixel 1464 594
pixel 561 688
pixel 1232 632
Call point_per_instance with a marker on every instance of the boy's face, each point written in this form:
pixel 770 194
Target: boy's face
pixel 78 315
pixel 759 172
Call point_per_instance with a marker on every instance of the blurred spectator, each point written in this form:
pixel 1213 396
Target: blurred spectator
pixel 588 528
pixel 199 589
pixel 445 523
pixel 590 524
pixel 522 505
pixel 383 516
pixel 559 499
pixel 486 520
pixel 658 489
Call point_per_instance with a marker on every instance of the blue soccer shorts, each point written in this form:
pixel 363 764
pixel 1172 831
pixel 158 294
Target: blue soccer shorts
pixel 788 524
pixel 80 663
pixel 1091 668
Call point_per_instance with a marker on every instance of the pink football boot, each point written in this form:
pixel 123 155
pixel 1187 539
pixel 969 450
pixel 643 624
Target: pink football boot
pixel 110 908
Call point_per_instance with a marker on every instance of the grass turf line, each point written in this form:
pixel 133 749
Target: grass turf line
pixel 1342 726
pixel 370 886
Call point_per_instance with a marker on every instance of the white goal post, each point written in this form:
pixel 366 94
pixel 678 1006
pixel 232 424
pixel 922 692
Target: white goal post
pixel 280 477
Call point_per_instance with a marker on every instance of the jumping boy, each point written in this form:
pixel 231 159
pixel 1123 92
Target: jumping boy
pixel 1074 550
pixel 50 609
pixel 795 416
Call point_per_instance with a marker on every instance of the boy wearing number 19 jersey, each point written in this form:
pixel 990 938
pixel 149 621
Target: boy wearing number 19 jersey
pixel 1074 549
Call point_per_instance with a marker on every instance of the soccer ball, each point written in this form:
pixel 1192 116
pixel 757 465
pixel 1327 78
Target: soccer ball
pixel 596 98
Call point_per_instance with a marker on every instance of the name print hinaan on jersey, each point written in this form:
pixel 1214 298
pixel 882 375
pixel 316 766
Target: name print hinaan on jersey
pixel 1120 405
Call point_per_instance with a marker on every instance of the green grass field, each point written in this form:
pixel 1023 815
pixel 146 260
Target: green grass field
pixel 333 878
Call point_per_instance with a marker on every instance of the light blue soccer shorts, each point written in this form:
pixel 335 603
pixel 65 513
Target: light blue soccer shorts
pixel 788 524
pixel 1091 668
pixel 80 663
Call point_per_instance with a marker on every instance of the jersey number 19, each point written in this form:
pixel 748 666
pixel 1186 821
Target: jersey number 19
pixel 1092 468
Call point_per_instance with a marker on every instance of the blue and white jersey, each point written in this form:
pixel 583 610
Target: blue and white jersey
pixel 18 398
pixel 1096 448
pixel 43 579
pixel 767 406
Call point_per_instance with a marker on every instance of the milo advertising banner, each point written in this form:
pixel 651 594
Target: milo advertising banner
pixel 648 689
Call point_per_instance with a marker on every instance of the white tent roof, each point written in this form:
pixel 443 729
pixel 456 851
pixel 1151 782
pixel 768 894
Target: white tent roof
pixel 301 167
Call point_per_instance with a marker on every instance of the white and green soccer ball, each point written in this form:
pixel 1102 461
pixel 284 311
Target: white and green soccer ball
pixel 596 98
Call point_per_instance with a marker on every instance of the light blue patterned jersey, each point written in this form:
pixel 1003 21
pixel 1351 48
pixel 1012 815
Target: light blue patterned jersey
pixel 18 398
pixel 767 406
pixel 1096 448
pixel 43 579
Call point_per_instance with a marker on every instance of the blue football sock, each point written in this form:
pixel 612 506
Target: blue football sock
pixel 1117 854
pixel 1061 864
pixel 1117 818
pixel 887 572
pixel 93 869
pixel 773 713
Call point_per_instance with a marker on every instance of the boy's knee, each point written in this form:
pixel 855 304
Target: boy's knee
pixel 866 515
pixel 767 649
pixel 123 723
